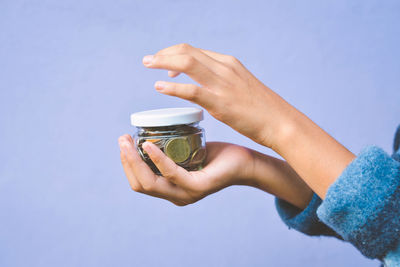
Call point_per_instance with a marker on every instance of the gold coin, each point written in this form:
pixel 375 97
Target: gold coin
pixel 177 149
pixel 198 156
pixel 195 141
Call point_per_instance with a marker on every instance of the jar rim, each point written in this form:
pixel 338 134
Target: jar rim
pixel 166 117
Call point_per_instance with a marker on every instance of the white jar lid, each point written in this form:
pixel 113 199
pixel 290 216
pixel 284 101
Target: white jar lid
pixel 166 117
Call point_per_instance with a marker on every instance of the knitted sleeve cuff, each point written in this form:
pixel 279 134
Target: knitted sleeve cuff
pixel 363 204
pixel 305 221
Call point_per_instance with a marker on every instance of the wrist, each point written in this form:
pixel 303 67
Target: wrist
pixel 279 121
pixel 244 174
pixel 315 155
pixel 285 131
pixel 276 177
pixel 256 170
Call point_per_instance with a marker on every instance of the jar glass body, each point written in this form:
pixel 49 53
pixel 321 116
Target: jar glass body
pixel 183 143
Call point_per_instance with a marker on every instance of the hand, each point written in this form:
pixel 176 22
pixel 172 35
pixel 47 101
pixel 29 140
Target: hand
pixel 225 165
pixel 228 90
pixel 234 96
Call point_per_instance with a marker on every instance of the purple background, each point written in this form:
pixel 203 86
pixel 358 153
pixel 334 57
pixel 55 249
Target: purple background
pixel 71 74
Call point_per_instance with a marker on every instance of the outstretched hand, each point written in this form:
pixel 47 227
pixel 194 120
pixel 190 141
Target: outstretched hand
pixel 226 164
pixel 227 90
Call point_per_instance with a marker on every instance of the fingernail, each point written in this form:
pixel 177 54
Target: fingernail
pixel 123 148
pixel 160 85
pixel 147 147
pixel 148 59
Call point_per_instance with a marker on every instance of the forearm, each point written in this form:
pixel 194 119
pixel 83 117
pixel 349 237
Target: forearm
pixel 316 156
pixel 276 177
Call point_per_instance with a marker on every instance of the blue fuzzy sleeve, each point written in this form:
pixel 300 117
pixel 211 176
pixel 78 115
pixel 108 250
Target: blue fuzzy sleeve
pixel 305 221
pixel 363 204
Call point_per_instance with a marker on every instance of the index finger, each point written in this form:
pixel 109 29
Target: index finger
pixel 183 63
pixel 213 60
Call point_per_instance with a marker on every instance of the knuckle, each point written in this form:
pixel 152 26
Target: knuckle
pixel 183 47
pixel 195 193
pixel 194 93
pixel 136 188
pixel 180 204
pixel 188 62
pixel 124 160
pixel 148 187
pixel 170 172
pixel 191 200
pixel 232 60
pixel 156 159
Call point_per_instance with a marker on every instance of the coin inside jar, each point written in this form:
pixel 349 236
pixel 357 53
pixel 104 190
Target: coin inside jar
pixel 177 149
pixel 194 141
pixel 198 156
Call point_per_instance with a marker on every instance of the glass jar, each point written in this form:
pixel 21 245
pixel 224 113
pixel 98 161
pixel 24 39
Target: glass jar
pixel 176 132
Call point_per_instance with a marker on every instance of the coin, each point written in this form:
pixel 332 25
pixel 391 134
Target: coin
pixel 198 156
pixel 194 141
pixel 177 149
pixel 153 140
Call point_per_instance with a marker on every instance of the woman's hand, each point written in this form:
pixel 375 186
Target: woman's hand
pixel 225 165
pixel 234 96
pixel 228 91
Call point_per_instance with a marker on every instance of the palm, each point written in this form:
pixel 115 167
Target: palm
pixel 225 164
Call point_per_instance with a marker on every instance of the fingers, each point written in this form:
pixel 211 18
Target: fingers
pixel 139 168
pixel 179 49
pixel 189 92
pixel 185 63
pixel 167 166
pixel 134 183
pixel 207 57
pixel 142 178
pixel 206 60
pixel 186 49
